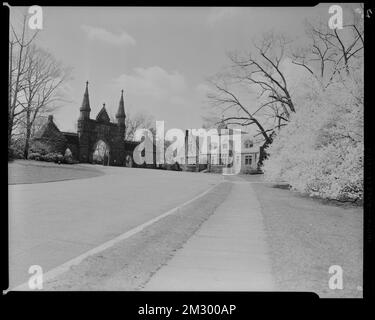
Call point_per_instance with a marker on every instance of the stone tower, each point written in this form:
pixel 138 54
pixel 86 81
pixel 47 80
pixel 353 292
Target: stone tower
pixel 84 127
pixel 85 108
pixel 120 116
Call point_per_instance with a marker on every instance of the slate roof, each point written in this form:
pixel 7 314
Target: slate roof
pixel 103 115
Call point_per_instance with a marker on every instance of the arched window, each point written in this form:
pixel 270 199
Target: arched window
pixel 248 144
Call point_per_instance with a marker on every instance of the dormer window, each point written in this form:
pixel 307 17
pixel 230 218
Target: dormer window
pixel 248 144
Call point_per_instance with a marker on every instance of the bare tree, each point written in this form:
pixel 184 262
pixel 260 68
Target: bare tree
pixel 19 46
pixel 330 52
pixel 40 93
pixel 261 68
pixel 259 71
pixel 228 99
pixel 138 121
pixel 327 54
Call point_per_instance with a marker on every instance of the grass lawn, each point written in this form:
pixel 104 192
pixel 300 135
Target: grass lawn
pixel 306 236
pixel 29 171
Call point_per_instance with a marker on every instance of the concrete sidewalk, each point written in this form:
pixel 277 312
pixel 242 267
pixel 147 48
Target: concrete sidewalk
pixel 228 252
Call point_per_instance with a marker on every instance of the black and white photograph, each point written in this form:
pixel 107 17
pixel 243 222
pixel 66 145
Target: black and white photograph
pixel 186 149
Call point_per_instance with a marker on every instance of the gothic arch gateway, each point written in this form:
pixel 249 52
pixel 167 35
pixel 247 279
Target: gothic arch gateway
pixel 90 131
pixel 101 153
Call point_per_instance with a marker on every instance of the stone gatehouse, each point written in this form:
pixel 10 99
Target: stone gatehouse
pixel 90 135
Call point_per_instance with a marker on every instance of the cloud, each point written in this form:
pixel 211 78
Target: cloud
pixel 154 82
pixel 217 15
pixel 100 34
pixel 164 94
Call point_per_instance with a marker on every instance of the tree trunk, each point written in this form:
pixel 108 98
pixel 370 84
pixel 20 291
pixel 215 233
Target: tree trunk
pixel 28 135
pixel 10 126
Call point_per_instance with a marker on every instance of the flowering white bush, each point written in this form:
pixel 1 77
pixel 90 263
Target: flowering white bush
pixel 320 151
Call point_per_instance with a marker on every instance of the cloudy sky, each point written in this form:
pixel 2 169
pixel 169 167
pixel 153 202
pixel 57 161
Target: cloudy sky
pixel 161 57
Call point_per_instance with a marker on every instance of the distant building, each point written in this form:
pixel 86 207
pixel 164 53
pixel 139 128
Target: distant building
pixel 250 153
pixel 101 141
pixel 222 154
pixel 96 141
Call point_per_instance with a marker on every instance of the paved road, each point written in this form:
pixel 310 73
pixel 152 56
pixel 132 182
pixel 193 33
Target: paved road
pixel 228 253
pixel 51 223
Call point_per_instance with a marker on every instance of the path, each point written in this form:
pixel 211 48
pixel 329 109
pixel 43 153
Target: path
pixel 228 252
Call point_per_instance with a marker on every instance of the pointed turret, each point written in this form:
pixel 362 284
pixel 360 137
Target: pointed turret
pixel 85 108
pixel 120 116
